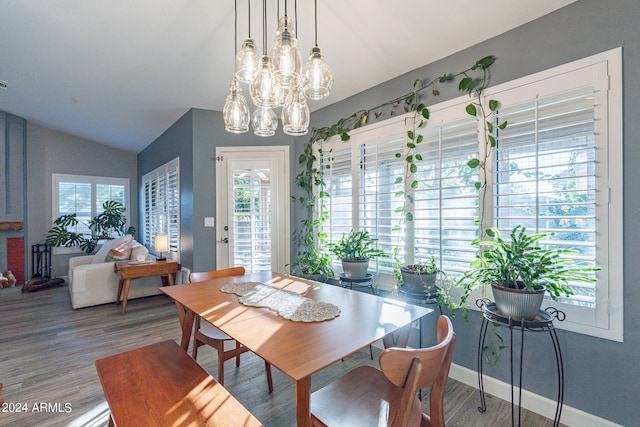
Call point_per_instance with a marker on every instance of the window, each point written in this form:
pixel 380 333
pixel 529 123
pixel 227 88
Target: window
pixel 161 192
pixel 557 167
pixel 84 195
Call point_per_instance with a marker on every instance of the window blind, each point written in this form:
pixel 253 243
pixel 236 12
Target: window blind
pixel 545 175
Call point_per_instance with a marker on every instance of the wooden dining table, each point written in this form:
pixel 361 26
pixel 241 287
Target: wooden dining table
pixel 298 349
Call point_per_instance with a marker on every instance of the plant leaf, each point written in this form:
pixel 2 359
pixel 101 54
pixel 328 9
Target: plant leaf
pixel 487 61
pixel 471 110
pixel 473 163
pixel 493 105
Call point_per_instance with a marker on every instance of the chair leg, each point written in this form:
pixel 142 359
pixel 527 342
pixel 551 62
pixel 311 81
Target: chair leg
pixel 194 352
pixel 238 356
pixel 267 367
pixel 220 348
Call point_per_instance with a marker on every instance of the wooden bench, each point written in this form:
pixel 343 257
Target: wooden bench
pixel 161 385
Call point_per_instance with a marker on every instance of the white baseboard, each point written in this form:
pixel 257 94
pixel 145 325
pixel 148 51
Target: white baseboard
pixel 530 401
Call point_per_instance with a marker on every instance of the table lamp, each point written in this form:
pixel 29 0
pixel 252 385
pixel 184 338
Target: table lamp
pixel 162 245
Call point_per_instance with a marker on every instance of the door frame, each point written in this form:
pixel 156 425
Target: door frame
pixel 281 225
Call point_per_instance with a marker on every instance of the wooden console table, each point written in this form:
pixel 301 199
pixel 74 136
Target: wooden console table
pixel 129 271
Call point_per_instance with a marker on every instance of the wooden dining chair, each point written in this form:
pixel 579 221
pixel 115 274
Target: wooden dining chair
pixel 367 396
pixel 210 335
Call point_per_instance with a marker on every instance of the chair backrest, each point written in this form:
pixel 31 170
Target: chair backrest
pixel 395 361
pixel 216 274
pixel 396 364
pixel 201 277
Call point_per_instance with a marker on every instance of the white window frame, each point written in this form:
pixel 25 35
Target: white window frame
pixel 606 320
pixel 605 69
pixel 148 236
pixel 57 178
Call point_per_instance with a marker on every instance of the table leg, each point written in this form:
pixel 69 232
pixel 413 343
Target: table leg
pixel 120 283
pixel 127 283
pixel 170 279
pixel 398 339
pixel 303 402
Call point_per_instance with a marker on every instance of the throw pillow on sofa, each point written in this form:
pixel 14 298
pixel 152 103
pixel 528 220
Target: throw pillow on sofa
pixel 108 245
pixel 139 252
pixel 120 253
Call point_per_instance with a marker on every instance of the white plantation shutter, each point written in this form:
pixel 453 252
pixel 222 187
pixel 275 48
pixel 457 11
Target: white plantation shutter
pixel 335 161
pixel 161 191
pixel 173 210
pixel 378 203
pixel 252 218
pixel 85 196
pixel 546 175
pixel 446 201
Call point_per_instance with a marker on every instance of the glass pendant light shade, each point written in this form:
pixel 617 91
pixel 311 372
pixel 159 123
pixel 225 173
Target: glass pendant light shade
pixel 295 114
pixel 247 61
pixel 287 61
pixel 317 77
pixel 264 121
pixel 262 88
pixel 236 111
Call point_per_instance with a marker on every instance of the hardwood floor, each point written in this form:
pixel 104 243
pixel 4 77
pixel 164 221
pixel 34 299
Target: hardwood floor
pixel 48 350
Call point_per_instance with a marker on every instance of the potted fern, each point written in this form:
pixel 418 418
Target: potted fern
pixel 520 272
pixel 355 250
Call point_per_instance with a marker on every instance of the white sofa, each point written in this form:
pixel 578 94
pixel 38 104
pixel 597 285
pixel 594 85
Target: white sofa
pixel 93 282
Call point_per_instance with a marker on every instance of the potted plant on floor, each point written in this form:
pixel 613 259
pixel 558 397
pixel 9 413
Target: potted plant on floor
pixel 419 279
pixel 355 250
pixel 520 272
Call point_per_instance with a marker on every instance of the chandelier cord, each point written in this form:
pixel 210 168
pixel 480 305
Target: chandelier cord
pixel 249 15
pixel 316 20
pixel 235 27
pixel 264 27
pixel 295 13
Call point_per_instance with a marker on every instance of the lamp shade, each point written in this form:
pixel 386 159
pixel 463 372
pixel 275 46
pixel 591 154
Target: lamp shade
pixel 162 243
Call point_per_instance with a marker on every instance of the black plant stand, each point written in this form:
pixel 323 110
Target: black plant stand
pixel 542 323
pixel 364 281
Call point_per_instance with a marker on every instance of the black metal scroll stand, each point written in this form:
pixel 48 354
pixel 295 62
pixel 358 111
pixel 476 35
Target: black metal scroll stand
pixel 542 323
pixel 364 281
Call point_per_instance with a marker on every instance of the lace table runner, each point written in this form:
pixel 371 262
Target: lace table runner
pixel 290 305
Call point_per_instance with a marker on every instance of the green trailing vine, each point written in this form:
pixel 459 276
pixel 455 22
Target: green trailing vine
pixel 473 80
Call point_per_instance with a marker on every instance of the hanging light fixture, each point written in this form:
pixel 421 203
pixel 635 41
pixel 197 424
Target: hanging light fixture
pixel 264 121
pixel 317 77
pixel 262 88
pixel 247 59
pixel 295 114
pixel 235 112
pixel 287 61
pixel 276 80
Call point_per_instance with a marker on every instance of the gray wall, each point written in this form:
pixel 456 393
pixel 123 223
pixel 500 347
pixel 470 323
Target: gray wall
pixel 13 208
pixel 194 138
pixel 50 151
pixel 602 376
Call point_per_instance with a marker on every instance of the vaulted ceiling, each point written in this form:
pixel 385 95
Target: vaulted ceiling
pixel 120 72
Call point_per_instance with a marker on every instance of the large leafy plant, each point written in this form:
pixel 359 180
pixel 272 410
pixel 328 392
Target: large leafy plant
pixel 107 225
pixel 521 263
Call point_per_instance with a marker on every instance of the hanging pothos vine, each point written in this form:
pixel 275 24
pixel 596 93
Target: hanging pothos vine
pixel 309 238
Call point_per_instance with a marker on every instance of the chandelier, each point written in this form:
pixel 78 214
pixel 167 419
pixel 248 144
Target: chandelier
pixel 276 80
